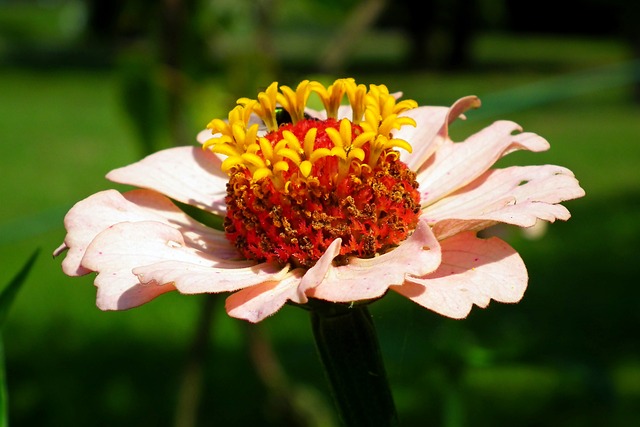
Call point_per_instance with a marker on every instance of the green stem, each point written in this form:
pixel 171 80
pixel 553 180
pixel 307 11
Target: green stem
pixel 349 349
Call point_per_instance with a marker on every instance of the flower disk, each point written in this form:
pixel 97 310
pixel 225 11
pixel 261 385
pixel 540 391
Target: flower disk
pixel 309 181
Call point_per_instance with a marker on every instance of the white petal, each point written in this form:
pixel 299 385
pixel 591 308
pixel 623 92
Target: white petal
pixel 99 211
pixel 116 251
pixel 363 279
pixel 473 271
pixel 188 174
pixel 455 165
pixel 258 302
pixel 431 130
pixel 318 272
pixel 128 247
pixel 204 135
pixel 514 195
pixel 156 207
pixel 194 278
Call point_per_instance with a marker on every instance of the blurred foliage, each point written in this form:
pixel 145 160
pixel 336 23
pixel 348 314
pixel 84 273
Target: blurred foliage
pixel 86 86
pixel 7 296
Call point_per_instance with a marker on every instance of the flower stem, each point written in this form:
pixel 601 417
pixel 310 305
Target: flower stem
pixel 348 346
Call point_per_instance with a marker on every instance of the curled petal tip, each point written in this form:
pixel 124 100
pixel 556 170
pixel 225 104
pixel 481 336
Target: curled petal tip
pixel 60 249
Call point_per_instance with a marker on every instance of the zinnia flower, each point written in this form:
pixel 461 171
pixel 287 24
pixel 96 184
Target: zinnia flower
pixel 340 205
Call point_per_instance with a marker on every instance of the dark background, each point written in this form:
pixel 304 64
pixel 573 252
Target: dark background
pixel 87 86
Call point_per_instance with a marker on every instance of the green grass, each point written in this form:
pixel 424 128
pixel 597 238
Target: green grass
pixel 567 355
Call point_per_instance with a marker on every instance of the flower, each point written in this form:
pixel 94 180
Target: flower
pixel 341 205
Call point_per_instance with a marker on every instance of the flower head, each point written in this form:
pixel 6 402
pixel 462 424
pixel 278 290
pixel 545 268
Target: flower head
pixel 308 182
pixel 341 204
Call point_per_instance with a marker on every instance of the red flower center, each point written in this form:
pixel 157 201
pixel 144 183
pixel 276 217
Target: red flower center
pixel 372 204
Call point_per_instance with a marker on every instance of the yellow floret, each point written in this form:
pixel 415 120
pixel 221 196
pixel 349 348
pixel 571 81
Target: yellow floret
pixel 374 109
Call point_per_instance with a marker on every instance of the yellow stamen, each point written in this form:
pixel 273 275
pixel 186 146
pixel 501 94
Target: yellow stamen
pixel 262 173
pixel 295 101
pixel 265 107
pixel 309 141
pixel 253 160
pixel 225 150
pixel 319 154
pixel 335 136
pixel 266 148
pixel 281 166
pixel 331 97
pixel 290 154
pixel 356 95
pixel 356 153
pixel 292 141
pixel 305 168
pixel 376 114
pixel 230 162
pixel 363 138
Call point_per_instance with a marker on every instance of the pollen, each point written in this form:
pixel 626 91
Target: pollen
pixel 298 182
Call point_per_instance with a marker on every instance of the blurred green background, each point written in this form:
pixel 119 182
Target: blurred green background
pixel 87 86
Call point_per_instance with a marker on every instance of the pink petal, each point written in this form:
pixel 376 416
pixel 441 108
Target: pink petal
pixel 204 135
pixel 431 130
pixel 96 213
pixel 137 261
pixel 188 174
pixel 473 271
pixel 514 195
pixel 344 111
pixel 318 272
pixel 159 208
pixel 190 278
pixel 115 252
pixel 455 165
pixel 364 279
pixel 258 302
